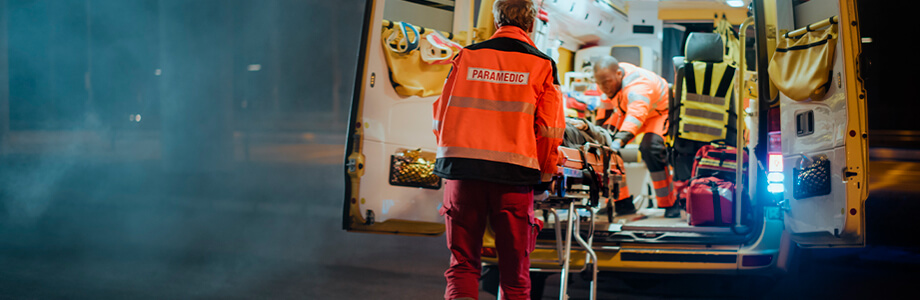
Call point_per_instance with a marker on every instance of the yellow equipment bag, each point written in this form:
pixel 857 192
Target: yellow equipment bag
pixel 801 66
pixel 730 41
pixel 410 74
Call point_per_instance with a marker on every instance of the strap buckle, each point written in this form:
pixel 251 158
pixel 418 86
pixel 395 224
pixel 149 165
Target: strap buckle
pixel 399 41
pixel 436 49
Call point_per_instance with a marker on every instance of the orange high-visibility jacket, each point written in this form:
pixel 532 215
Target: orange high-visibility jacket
pixel 500 115
pixel 641 105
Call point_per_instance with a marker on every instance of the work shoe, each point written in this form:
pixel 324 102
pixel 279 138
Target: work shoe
pixel 624 207
pixel 672 212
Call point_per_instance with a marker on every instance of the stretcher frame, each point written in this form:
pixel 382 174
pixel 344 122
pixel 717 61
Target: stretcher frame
pixel 572 204
pixel 564 242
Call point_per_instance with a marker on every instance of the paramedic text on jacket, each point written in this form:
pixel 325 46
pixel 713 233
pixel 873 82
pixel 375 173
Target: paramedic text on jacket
pixel 498 122
pixel 637 102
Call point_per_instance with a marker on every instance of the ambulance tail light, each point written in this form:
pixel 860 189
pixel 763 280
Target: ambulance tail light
pixel 775 176
pixel 489 252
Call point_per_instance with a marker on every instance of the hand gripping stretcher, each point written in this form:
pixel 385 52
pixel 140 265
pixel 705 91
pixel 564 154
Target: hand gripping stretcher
pixel 587 176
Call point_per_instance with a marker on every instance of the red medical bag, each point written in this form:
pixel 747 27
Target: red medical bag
pixel 709 201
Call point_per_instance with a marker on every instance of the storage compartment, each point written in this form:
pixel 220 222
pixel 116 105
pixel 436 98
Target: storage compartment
pixel 413 168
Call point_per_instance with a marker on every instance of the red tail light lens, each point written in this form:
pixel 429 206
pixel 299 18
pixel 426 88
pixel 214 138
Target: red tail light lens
pixel 489 252
pixel 775 161
pixel 773 120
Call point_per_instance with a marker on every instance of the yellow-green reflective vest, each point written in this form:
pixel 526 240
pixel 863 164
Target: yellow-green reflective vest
pixel 706 112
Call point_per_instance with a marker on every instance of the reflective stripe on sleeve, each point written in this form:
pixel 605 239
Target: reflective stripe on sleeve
pixel 550 132
pixel 634 120
pixel 633 96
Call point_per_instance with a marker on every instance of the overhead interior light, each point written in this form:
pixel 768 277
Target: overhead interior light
pixel 735 3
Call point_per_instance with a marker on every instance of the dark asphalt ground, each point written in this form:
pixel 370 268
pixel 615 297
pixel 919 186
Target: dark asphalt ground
pixel 272 231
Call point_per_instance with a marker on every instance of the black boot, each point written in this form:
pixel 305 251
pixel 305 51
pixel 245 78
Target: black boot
pixel 672 212
pixel 625 206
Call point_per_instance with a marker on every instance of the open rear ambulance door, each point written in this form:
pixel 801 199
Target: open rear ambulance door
pixel 833 128
pixel 384 123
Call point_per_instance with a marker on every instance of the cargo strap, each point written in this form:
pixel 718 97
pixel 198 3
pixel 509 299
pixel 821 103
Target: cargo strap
pixel 716 203
pixel 591 177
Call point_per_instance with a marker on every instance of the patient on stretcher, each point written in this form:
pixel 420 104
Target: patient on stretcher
pixel 589 169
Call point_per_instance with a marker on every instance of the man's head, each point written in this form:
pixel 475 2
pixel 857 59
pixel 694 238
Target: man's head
pixel 608 75
pixel 520 13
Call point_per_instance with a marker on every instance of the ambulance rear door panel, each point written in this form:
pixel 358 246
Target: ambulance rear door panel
pixel 384 124
pixel 833 127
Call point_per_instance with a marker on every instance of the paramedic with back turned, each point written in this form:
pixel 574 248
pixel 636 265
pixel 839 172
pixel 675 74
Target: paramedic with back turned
pixel 498 124
pixel 637 102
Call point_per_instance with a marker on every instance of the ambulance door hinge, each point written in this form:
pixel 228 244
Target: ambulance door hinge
pixel 352 165
pixel 369 217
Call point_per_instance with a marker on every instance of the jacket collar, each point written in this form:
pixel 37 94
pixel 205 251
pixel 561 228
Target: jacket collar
pixel 514 32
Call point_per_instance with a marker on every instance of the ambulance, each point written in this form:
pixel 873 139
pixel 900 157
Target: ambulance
pixel 804 184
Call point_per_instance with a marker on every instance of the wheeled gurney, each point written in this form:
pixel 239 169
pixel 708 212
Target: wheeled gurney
pixel 587 176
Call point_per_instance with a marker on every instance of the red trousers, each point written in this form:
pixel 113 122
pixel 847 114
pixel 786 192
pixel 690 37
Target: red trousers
pixel 468 205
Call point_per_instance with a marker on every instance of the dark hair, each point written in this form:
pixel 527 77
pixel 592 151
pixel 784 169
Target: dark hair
pixel 520 13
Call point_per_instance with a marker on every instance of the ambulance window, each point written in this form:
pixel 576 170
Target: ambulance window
pixel 434 14
pixel 630 54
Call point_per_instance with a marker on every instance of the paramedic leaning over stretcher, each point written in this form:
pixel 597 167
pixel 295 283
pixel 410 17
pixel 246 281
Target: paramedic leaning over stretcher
pixel 498 124
pixel 637 102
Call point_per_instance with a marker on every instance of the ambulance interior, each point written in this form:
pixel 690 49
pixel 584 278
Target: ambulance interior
pixel 395 120
pixel 642 38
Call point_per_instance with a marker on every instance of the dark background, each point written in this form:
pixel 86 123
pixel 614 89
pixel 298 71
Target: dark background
pixel 193 149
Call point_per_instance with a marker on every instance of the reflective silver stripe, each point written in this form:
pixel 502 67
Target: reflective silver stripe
pixel 511 158
pixel 693 112
pixel 493 105
pixel 633 96
pixel 702 129
pixel 663 98
pixel 658 176
pixel 435 124
pixel 550 132
pixel 632 119
pixel 662 192
pixel 606 105
pixel 631 77
pixel 720 101
pixel 546 177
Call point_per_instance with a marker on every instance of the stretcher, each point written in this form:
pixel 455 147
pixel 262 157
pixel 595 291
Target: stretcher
pixel 587 176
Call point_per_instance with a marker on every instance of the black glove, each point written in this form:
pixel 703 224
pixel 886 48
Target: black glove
pixel 541 187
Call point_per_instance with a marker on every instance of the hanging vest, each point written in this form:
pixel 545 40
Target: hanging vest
pixel 706 111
